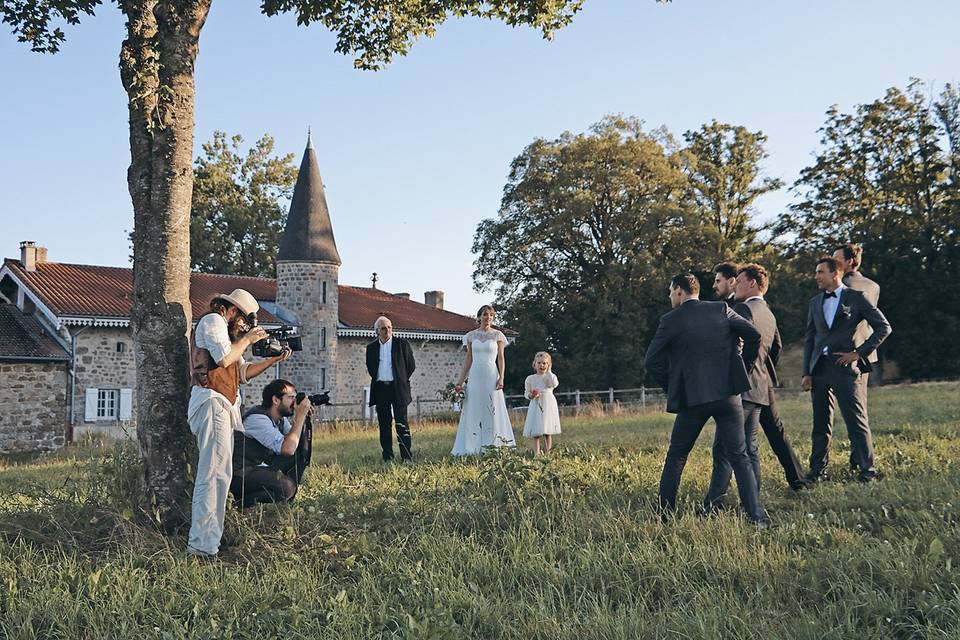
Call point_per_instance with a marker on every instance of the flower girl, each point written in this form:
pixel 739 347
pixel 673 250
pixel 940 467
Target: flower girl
pixel 543 415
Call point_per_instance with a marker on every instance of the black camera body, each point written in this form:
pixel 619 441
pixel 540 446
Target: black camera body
pixel 276 341
pixel 316 399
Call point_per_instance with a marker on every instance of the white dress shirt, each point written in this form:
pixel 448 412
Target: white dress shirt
pixel 830 306
pixel 385 372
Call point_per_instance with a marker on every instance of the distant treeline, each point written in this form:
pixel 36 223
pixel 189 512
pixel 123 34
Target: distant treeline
pixel 592 226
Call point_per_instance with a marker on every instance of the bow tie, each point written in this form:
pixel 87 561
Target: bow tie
pixel 829 294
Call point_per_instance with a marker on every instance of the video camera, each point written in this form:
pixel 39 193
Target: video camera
pixel 316 399
pixel 276 340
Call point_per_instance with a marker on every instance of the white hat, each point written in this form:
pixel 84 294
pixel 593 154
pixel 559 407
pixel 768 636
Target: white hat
pixel 242 300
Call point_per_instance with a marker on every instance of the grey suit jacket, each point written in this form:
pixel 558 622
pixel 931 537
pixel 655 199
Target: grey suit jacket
pixel 871 291
pixel 841 335
pixel 694 355
pixel 760 370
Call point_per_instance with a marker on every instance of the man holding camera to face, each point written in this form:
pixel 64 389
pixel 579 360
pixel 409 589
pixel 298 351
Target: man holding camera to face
pixel 271 454
pixel 217 369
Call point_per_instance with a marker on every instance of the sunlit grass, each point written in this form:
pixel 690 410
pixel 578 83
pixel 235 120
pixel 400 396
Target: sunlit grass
pixel 506 546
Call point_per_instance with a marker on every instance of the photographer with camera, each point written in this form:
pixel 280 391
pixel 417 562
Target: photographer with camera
pixel 217 369
pixel 271 454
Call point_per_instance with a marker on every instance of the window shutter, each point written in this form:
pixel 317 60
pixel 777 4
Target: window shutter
pixel 90 405
pixel 126 404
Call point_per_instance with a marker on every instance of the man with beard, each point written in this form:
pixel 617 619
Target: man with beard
pixel 266 467
pixel 725 281
pixel 217 369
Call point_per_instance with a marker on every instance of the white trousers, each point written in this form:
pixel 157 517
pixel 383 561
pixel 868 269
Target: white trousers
pixel 212 420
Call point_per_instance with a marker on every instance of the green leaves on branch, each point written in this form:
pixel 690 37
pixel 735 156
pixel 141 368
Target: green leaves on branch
pixel 33 21
pixel 239 206
pixel 374 32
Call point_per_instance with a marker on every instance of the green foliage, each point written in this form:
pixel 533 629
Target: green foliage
pixel 506 546
pixel 239 206
pixel 722 163
pixel 886 176
pixel 375 32
pixel 592 226
pixel 32 21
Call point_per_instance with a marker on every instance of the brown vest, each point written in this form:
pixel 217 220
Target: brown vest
pixel 206 373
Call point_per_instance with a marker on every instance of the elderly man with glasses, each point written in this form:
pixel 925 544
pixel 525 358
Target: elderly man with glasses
pixel 390 364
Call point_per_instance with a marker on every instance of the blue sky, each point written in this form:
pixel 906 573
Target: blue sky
pixel 414 157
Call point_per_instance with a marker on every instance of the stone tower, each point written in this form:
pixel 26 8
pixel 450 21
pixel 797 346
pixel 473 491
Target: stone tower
pixel 308 267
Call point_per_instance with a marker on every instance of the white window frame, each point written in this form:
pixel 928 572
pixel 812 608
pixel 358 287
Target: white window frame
pixel 108 405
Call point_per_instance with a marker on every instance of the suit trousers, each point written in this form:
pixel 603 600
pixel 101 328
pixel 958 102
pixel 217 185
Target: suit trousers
pixel 722 471
pixel 780 443
pixel 390 410
pixel 837 385
pixel 728 416
pixel 866 385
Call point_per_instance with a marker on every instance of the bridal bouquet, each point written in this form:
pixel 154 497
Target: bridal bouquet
pixel 450 394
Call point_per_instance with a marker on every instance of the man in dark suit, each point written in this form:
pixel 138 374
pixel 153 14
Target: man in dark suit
pixel 833 364
pixel 695 358
pixel 724 285
pixel 751 284
pixel 390 364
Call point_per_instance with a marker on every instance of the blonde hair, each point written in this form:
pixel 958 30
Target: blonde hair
pixel 546 356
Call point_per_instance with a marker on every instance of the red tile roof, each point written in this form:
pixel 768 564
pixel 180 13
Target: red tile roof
pixel 87 291
pixel 360 307
pixel 23 338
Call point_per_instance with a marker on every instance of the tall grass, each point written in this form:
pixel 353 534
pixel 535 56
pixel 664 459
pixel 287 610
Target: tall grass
pixel 504 546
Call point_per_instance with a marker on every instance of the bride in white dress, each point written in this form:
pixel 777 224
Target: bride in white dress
pixel 484 421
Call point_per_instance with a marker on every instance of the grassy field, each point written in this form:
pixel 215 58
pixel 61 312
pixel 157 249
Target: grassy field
pixel 505 546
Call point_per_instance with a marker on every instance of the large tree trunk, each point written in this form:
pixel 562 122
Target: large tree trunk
pixel 157 69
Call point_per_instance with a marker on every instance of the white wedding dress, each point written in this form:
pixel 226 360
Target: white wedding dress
pixel 484 421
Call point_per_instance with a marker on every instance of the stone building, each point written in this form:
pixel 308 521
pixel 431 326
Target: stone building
pixel 76 346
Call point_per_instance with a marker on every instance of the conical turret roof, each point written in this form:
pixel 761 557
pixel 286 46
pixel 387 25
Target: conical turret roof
pixel 308 236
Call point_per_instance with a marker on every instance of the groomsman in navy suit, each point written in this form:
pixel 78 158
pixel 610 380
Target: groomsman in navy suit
pixel 833 367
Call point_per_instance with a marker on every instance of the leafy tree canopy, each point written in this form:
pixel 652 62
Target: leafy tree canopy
pixel 239 206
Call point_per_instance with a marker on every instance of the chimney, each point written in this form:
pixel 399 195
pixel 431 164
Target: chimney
pixel 404 295
pixel 31 255
pixel 433 299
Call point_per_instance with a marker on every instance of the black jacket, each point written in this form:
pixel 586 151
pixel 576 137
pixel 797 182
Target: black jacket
pixel 694 354
pixel 841 336
pixel 401 356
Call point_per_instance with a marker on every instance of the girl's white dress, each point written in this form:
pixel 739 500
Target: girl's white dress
pixel 543 414
pixel 484 421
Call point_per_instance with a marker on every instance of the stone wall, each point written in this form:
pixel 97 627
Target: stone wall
pixel 34 400
pixel 300 288
pixel 438 362
pixel 100 365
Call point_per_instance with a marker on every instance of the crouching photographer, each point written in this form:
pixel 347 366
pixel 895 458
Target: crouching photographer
pixel 272 454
